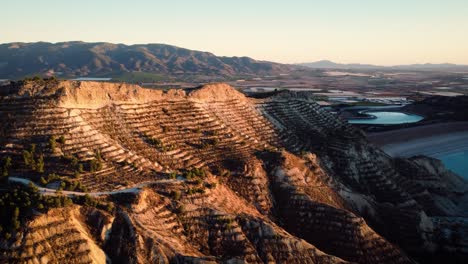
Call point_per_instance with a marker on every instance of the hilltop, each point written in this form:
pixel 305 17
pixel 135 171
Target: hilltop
pixel 95 172
pixel 77 59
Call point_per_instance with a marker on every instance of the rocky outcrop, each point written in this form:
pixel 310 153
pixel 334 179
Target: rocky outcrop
pixel 217 92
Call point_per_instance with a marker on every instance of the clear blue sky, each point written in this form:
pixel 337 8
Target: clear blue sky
pixel 367 31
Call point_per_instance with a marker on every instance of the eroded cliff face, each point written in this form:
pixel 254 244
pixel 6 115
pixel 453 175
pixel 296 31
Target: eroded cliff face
pixel 211 176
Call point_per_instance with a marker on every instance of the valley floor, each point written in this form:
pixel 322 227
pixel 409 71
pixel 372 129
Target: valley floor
pixel 431 140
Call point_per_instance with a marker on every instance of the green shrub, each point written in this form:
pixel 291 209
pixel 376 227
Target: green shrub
pixel 52 143
pixel 27 157
pixel 110 207
pixel 194 173
pixel 95 165
pixel 176 195
pixel 97 154
pixel 188 175
pixel 211 185
pixel 74 161
pixel 43 181
pixel 40 164
pixel 5 166
pixel 90 201
pixel 80 168
pixel 200 190
pixel 180 209
pixel 15 224
pixel 61 140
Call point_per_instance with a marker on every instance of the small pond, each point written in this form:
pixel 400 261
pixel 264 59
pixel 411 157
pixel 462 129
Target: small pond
pixel 386 118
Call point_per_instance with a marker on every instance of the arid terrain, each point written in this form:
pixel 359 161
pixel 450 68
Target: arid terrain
pixel 96 172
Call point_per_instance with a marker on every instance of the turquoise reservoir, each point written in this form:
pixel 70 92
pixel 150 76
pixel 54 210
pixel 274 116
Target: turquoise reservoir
pixel 387 118
pixel 457 162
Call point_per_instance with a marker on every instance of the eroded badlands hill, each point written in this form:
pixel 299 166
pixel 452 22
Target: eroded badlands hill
pixel 211 176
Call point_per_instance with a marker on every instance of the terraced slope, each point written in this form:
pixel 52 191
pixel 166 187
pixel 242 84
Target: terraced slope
pixel 59 237
pixel 226 178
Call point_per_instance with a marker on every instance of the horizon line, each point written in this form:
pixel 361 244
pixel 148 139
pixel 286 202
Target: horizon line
pixel 240 56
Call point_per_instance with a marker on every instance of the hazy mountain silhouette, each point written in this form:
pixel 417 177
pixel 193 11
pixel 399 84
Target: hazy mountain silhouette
pixel 89 59
pixel 326 64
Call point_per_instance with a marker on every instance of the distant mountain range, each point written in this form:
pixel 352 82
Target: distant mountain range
pixel 78 59
pixel 326 64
